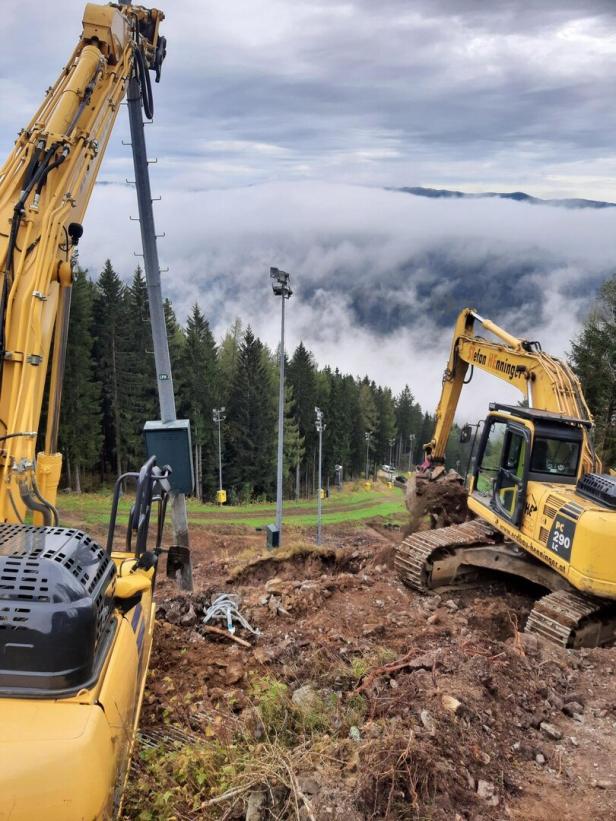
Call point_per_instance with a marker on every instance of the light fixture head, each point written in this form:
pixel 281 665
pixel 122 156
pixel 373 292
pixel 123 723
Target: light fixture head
pixel 280 282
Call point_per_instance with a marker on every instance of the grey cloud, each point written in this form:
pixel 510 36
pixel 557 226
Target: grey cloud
pixel 370 266
pixel 257 98
pixel 433 91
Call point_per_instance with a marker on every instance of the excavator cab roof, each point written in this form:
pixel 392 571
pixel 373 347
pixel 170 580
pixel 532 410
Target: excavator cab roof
pixel 536 415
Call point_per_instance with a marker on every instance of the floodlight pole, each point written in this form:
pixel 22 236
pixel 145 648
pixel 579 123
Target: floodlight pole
pixel 218 416
pixel 392 442
pixel 320 428
pixel 282 289
pixel 367 436
pixel 412 448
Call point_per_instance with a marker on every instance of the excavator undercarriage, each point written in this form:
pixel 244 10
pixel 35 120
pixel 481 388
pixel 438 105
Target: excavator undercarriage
pixel 455 557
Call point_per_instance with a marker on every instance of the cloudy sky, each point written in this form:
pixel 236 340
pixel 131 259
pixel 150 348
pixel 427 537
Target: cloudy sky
pixel 280 124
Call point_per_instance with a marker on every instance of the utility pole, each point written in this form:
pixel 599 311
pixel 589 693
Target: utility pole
pixel 166 398
pixel 281 288
pixel 411 449
pixel 218 415
pixel 320 428
pixel 367 436
pixel 392 442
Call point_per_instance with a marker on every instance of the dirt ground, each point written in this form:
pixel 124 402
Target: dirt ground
pixel 362 699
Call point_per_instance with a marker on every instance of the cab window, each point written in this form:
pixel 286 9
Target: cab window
pixel 491 459
pixel 557 457
pixel 511 478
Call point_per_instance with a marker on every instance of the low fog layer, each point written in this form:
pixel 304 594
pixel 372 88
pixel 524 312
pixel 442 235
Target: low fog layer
pixel 379 276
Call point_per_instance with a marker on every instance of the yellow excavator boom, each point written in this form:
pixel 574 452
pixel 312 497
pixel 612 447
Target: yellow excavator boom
pixel 45 187
pixel 544 381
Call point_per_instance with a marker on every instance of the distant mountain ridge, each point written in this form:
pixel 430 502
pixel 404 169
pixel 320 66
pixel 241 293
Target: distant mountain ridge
pixel 518 196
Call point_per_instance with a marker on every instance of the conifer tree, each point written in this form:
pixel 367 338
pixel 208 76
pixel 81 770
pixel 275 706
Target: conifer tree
pixel 140 401
pixel 405 418
pixel 386 425
pixel 176 341
pixel 338 432
pixel 80 434
pixel 593 357
pixel 367 406
pixel 228 358
pixel 112 330
pixel 293 440
pixel 199 381
pixel 251 415
pixel 301 375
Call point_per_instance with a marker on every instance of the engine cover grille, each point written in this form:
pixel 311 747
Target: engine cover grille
pixel 599 487
pixel 56 598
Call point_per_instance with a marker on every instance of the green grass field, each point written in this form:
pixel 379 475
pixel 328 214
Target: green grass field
pixel 353 504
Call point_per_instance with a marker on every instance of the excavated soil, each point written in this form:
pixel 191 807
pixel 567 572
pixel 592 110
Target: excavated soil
pixel 438 707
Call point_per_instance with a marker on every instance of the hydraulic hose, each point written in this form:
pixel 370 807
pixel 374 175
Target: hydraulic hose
pixel 55 518
pixel 32 504
pixel 145 84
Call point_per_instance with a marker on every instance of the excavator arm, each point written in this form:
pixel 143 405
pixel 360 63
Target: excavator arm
pixel 546 382
pixel 45 187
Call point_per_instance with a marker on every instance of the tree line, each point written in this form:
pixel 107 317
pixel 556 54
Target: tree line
pixel 593 357
pixel 109 391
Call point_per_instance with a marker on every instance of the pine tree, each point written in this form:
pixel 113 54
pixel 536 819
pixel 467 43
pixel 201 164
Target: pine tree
pixel 357 454
pixel 80 433
pixel 112 329
pixel 176 341
pixel 337 442
pixel 367 406
pixel 385 432
pixel 140 401
pixel 301 376
pixel 593 357
pixel 198 377
pixel 405 419
pixel 251 420
pixel 228 358
pixel 293 440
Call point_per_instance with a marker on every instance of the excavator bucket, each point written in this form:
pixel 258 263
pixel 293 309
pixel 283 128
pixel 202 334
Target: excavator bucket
pixel 435 498
pixel 179 566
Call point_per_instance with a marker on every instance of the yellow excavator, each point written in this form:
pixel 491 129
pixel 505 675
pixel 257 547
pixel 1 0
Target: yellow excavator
pixel 76 618
pixel 544 510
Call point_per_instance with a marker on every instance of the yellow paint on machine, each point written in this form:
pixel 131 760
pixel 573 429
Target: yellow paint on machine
pixel 70 756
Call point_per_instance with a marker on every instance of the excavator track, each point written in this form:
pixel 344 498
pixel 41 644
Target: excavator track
pixel 571 619
pixel 416 556
pixel 451 555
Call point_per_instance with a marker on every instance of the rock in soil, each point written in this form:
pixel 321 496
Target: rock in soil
pixel 551 731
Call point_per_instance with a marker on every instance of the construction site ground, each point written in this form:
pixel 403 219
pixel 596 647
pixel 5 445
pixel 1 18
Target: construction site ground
pixel 361 699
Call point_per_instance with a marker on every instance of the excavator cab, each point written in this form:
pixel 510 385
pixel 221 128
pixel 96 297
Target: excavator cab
pixel 519 445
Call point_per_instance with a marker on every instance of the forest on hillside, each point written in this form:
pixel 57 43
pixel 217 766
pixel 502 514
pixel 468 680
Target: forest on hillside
pixel 110 391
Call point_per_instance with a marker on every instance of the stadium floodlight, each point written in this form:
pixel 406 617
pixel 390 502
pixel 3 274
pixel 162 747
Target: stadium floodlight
pixel 218 415
pixel 320 426
pixel 281 288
